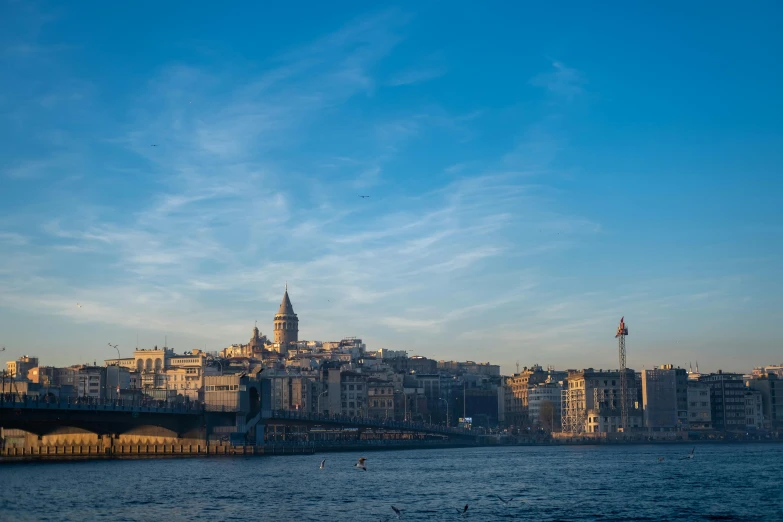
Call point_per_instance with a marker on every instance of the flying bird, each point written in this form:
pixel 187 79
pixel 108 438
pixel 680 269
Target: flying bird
pixel 690 455
pixel 463 511
pixel 397 511
pixel 364 196
pixel 360 464
pixel 78 305
pixel 154 145
pixel 323 464
pixel 504 501
pixel 660 459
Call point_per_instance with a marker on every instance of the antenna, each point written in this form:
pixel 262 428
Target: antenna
pixel 517 366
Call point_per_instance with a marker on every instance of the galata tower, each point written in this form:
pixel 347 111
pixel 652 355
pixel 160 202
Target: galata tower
pixel 286 323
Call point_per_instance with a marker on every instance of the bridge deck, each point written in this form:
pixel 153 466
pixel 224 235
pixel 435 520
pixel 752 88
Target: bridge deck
pixel 315 418
pixel 20 402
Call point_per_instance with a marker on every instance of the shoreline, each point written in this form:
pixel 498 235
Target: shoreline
pixel 283 450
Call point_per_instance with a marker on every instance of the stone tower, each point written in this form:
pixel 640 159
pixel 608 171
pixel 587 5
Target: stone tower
pixel 286 323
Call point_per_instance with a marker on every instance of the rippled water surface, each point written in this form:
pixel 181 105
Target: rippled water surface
pixel 722 482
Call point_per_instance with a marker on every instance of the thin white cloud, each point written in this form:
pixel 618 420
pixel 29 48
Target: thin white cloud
pixel 414 76
pixel 562 81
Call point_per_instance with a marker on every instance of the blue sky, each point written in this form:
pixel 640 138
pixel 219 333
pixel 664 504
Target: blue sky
pixel 535 172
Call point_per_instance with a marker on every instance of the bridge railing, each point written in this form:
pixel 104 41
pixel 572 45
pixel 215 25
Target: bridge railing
pixel 15 400
pixel 368 421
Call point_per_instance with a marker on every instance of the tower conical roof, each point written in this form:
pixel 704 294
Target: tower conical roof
pixel 285 306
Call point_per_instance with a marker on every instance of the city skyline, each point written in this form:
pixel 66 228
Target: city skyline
pixel 525 193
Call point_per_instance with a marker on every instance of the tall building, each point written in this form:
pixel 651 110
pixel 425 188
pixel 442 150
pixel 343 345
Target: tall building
pixel 771 388
pixel 516 405
pixel 727 400
pixel 286 324
pixel 699 409
pixel 659 398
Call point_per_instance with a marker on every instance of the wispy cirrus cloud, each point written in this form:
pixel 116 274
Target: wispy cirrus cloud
pixel 562 81
pixel 254 181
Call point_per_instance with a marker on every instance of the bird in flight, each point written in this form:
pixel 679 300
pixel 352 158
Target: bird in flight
pixel 323 464
pixel 660 459
pixel 78 305
pixel 506 502
pixel 360 464
pixel 463 511
pixel 364 196
pixel 397 511
pixel 154 145
pixel 690 455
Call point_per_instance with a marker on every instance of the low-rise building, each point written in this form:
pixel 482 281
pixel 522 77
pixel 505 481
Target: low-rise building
pixel 380 399
pixel 544 404
pixel 754 411
pixel 18 369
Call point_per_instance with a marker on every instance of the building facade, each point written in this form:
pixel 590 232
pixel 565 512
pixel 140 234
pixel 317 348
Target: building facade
pixel 699 409
pixel 727 400
pixel 659 398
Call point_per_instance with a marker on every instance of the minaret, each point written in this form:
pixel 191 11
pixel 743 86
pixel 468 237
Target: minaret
pixel 286 324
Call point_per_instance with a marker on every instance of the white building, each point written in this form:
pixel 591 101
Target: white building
pixel 539 394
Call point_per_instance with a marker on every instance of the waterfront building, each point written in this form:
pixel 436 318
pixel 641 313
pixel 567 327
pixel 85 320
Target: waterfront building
pixel 544 404
pixel 727 400
pixel 516 401
pixel 591 401
pixel 659 398
pixel 754 416
pixel 699 409
pixel 771 388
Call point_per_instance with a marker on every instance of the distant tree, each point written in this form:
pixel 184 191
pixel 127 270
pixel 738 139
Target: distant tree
pixel 546 415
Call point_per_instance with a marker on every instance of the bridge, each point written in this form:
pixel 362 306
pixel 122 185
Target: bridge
pixel 43 416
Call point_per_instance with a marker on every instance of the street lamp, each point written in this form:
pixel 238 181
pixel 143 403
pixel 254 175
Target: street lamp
pixel 118 369
pixel 447 410
pixel 318 401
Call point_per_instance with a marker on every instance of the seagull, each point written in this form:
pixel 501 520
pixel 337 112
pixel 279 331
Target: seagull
pixel 506 502
pixel 397 511
pixel 78 305
pixel 690 455
pixel 364 196
pixel 660 459
pixel 154 145
pixel 360 464
pixel 463 511
pixel 323 464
